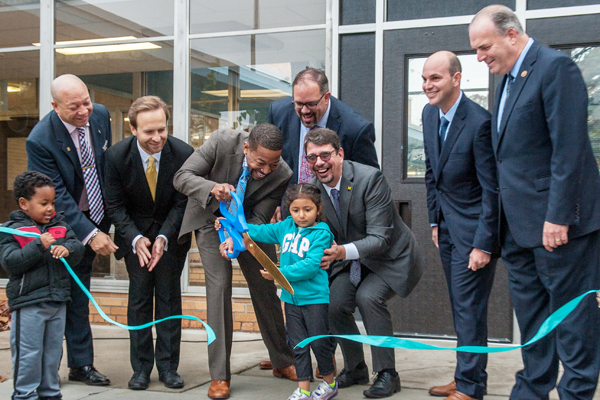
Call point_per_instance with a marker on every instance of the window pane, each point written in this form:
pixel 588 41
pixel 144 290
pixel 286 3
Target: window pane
pixel 588 61
pixel 115 79
pixel 474 83
pixel 357 12
pixel 233 82
pixel 98 19
pixel 19 23
pixel 19 73
pixel 241 15
pixel 417 9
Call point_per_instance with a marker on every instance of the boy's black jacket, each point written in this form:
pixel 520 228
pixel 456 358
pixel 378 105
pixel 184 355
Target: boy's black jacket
pixel 34 276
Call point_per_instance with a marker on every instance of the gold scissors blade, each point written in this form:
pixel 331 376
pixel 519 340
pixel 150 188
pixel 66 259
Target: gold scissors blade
pixel 267 263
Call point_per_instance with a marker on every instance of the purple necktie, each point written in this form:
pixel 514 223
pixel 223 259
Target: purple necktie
pixel 90 177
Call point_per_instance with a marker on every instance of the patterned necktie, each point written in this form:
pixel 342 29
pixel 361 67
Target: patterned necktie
pixel 240 188
pixel 90 177
pixel 442 133
pixel 151 176
pixel 355 264
pixel 304 172
pixel 509 84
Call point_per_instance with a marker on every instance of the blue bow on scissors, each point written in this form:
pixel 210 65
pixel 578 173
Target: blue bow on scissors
pixel 234 225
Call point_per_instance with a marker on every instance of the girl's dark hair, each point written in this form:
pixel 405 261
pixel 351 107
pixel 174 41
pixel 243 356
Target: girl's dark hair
pixel 305 191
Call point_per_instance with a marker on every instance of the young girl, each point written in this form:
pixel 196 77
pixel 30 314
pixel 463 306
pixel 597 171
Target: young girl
pixel 303 240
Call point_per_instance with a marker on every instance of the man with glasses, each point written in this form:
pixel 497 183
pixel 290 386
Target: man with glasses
pixel 312 106
pixel 374 258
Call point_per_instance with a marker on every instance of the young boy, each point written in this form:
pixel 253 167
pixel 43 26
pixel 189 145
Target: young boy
pixel 38 286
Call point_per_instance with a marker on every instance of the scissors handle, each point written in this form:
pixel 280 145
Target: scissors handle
pixel 238 242
pixel 238 220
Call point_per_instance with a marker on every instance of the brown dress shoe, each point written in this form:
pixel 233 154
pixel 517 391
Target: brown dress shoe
pixel 443 391
pixel 219 389
pixel 286 373
pixel 265 364
pixel 459 396
pixel 320 376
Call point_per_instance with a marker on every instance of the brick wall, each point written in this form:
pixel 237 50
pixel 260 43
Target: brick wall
pixel 115 306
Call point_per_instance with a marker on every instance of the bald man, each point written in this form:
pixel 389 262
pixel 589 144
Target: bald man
pixel 549 202
pixel 68 145
pixel 462 198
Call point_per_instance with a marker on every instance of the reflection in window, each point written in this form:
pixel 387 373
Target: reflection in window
pixel 588 61
pixel 20 22
pixel 233 82
pixel 474 83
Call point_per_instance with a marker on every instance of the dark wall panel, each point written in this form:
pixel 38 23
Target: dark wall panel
pixel 399 10
pixel 565 30
pixel 357 73
pixel 357 12
pixel 537 4
pixel 427 309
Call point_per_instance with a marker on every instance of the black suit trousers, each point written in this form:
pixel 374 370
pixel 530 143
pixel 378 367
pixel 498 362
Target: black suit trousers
pixel 469 294
pixel 370 297
pixel 162 287
pixel 540 282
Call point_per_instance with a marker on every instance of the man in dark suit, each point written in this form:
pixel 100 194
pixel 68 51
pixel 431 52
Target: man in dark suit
pixel 376 257
pixel 549 202
pixel 231 158
pixel 147 212
pixel 312 106
pixel 68 145
pixel 462 198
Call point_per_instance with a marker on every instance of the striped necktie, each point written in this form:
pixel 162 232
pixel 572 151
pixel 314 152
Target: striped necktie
pixel 304 172
pixel 90 177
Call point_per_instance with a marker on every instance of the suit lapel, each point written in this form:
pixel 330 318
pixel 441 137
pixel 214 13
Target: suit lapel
pixel 164 171
pixel 98 142
pixel 138 169
pixel 517 86
pixel 66 143
pixel 335 119
pixel 346 195
pixel 456 128
pixel 498 95
pixel 328 209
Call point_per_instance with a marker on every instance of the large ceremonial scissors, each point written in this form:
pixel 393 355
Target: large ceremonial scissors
pixel 234 226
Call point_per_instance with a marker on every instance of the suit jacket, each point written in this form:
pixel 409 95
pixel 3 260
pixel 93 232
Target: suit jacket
pixel 50 150
pixel 128 200
pixel 356 133
pixel 371 221
pixel 219 160
pixel 461 177
pixel 546 167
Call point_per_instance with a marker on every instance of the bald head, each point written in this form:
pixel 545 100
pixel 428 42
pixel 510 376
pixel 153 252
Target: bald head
pixel 441 79
pixel 71 100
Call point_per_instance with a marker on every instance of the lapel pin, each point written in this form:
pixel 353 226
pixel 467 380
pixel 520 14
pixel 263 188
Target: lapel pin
pixel 349 187
pixel 99 131
pixel 68 149
pixel 523 74
pixel 105 145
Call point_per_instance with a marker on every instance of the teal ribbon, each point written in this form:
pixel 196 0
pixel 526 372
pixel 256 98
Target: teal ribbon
pixel 210 334
pixel 398 343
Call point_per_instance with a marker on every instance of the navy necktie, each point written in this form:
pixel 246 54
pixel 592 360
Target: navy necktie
pixel 355 264
pixel 442 133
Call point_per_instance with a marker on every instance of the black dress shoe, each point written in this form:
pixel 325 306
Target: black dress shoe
pixel 171 379
pixel 88 375
pixel 358 376
pixel 386 384
pixel 139 381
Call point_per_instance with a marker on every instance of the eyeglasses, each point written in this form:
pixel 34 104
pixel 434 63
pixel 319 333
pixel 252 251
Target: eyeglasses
pixel 324 156
pixel 309 105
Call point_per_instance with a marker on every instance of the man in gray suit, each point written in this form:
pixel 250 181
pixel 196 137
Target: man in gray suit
pixel 375 256
pixel 207 178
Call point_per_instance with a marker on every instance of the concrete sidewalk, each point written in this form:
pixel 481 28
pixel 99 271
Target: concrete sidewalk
pixel 418 371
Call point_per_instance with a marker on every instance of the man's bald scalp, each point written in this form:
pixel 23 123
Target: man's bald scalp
pixel 63 82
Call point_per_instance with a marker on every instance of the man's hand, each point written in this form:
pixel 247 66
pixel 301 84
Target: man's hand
pixel 157 252
pixel 102 244
pixel 141 249
pixel 59 251
pixel 335 252
pixel 478 259
pixel 47 240
pixel 554 235
pixel 276 216
pixel 226 246
pixel 221 192
pixel 434 236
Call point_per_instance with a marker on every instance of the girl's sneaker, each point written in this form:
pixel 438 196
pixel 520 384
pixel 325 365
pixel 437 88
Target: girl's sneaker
pixel 298 395
pixel 325 392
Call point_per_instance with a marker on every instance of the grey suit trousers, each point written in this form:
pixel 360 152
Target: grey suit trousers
pixel 370 296
pixel 266 303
